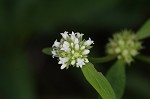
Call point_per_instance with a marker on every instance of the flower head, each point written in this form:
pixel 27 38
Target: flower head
pixel 125 45
pixel 72 50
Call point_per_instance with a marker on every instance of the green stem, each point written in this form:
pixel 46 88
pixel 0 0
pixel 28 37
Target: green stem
pixel 143 58
pixel 102 59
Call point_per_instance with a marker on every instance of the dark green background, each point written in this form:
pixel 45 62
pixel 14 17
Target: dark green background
pixel 27 26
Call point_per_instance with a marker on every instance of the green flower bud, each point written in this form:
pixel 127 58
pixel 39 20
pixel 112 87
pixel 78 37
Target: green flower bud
pixel 125 45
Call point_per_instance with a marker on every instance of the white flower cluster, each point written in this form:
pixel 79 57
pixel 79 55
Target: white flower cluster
pixel 125 45
pixel 72 50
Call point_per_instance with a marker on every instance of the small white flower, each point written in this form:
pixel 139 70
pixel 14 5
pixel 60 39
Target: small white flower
pixel 89 42
pixel 64 35
pixel 117 50
pixel 76 41
pixel 121 42
pixel 79 35
pixel 133 52
pixel 86 60
pixel 73 62
pixel 63 60
pixel 80 62
pixel 56 44
pixel 125 53
pixel 73 36
pixel 65 46
pixel 77 47
pixel 83 47
pixel 86 52
pixel 63 66
pixel 72 50
pixel 54 53
pixel 125 45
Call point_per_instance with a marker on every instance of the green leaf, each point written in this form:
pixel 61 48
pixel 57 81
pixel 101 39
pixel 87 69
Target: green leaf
pixel 102 59
pixel 116 77
pixel 144 31
pixel 143 58
pixel 47 50
pixel 98 81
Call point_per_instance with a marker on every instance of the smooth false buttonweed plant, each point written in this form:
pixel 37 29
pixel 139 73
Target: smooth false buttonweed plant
pixel 72 50
pixel 125 45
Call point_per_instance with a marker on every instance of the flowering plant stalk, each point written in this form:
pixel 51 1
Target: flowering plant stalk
pixel 73 50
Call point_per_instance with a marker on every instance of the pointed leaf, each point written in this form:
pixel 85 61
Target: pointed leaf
pixel 116 77
pixel 98 81
pixel 102 59
pixel 47 50
pixel 144 31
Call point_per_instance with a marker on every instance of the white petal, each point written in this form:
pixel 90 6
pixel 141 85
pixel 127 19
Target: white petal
pixel 64 35
pixel 73 62
pixel 60 62
pixel 72 51
pixel 72 44
pixel 66 44
pixel 54 53
pixel 72 36
pixel 67 50
pixel 76 41
pixel 119 57
pixel 56 44
pixel 117 50
pixel 133 52
pixel 83 47
pixel 77 46
pixel 80 62
pixel 88 42
pixel 86 60
pixel 79 35
pixel 82 65
pixel 125 53
pixel 65 59
pixel 85 52
pixel 121 42
pixel 77 65
pixel 63 66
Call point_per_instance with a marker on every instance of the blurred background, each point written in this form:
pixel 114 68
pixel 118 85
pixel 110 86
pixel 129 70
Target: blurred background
pixel 27 26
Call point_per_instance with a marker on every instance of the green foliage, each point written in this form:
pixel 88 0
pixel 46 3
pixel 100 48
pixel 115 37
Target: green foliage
pixel 47 50
pixel 16 77
pixel 102 59
pixel 138 85
pixel 98 81
pixel 116 77
pixel 144 31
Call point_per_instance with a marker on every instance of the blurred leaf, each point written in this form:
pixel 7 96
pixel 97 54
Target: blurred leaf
pixel 102 59
pixel 16 77
pixel 143 58
pixel 144 31
pixel 98 81
pixel 47 50
pixel 138 85
pixel 116 77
